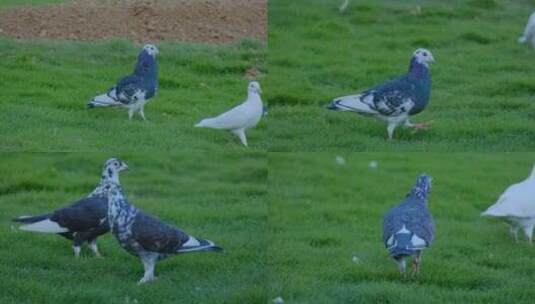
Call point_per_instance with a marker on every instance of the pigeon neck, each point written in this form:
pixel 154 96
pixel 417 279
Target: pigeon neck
pixel 253 96
pixel 146 64
pixel 417 69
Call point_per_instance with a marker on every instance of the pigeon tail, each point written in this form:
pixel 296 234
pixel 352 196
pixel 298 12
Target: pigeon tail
pixel 209 123
pixel 353 103
pixel 404 243
pixel 31 219
pixel 103 100
pixel 195 244
pixel 44 226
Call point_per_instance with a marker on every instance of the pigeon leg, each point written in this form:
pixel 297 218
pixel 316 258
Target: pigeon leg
pixel 93 246
pixel 390 129
pixel 148 265
pixel 241 134
pixel 514 232
pixel 76 250
pixel 528 230
pixel 416 127
pixel 402 265
pixel 142 113
pixel 416 263
pixel 130 113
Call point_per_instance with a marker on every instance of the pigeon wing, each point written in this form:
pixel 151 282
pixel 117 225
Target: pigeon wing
pixel 156 236
pixel 129 89
pixel 392 98
pixel 84 215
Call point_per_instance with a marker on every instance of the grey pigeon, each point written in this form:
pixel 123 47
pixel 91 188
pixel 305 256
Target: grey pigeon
pixel 408 228
pixel 135 90
pixel 83 221
pixel 394 101
pixel 145 236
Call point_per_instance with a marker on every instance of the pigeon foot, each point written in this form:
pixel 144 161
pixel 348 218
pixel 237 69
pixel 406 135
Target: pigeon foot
pixel 147 280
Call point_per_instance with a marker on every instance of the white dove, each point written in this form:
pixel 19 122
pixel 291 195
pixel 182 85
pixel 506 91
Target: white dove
pixel 517 207
pixel 241 117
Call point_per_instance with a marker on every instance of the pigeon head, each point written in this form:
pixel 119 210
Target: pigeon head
pixel 423 56
pixel 254 87
pixel 151 49
pixel 422 187
pixel 112 168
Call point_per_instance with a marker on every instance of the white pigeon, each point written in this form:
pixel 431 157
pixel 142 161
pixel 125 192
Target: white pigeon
pixel 529 31
pixel 241 117
pixel 517 207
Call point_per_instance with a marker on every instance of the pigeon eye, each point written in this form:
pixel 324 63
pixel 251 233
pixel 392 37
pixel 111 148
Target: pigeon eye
pixel 425 54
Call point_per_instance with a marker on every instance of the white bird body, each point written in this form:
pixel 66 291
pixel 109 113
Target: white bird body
pixel 529 31
pixel 240 118
pixel 517 206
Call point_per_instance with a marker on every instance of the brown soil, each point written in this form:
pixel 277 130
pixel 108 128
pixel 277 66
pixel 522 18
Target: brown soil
pixel 213 21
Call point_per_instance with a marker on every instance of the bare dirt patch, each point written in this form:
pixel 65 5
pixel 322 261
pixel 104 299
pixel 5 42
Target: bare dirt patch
pixel 213 21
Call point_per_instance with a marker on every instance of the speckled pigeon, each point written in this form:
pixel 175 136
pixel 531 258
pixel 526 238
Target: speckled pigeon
pixel 529 31
pixel 408 228
pixel 241 117
pixel 147 237
pixel 135 90
pixel 394 101
pixel 83 221
pixel 516 206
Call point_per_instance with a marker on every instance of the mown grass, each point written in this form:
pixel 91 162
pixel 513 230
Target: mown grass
pixel 216 196
pixel 483 81
pixel 47 84
pixel 322 214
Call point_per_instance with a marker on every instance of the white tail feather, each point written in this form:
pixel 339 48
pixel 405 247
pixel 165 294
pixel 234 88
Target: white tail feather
pixel 354 103
pixel 103 101
pixel 44 226
pixel 209 123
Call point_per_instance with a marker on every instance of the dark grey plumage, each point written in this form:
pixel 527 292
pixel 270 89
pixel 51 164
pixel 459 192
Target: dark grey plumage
pixel 134 90
pixel 408 228
pixel 395 100
pixel 146 236
pixel 83 221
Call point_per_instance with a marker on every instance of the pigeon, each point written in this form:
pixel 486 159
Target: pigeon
pixel 135 90
pixel 83 221
pixel 517 207
pixel 147 237
pixel 241 117
pixel 408 228
pixel 529 31
pixel 394 101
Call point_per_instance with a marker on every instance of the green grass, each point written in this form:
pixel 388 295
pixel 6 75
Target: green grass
pixel 322 214
pixel 216 196
pixel 47 84
pixel 483 88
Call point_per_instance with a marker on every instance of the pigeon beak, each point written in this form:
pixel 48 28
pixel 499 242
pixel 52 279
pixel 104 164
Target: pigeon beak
pixel 125 167
pixel 432 59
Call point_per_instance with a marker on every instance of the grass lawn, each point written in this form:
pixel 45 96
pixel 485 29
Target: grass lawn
pixel 482 96
pixel 47 84
pixel 216 196
pixel 322 214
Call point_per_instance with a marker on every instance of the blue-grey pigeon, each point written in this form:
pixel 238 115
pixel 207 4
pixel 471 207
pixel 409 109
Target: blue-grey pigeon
pixel 394 101
pixel 83 221
pixel 408 228
pixel 147 237
pixel 134 90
